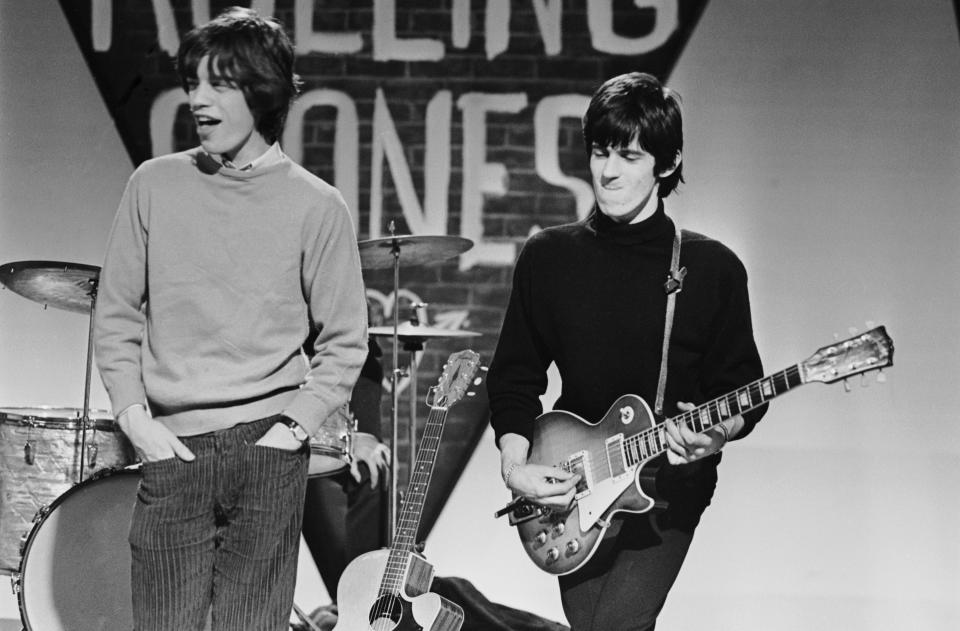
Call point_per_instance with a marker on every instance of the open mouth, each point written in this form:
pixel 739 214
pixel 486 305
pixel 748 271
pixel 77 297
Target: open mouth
pixel 205 121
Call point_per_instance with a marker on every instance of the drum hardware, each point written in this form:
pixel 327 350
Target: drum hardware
pixel 412 330
pixel 92 452
pixel 389 252
pixel 39 461
pixel 68 286
pixel 331 446
pixel 305 618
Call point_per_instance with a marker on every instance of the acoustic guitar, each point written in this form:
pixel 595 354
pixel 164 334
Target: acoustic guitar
pixel 388 590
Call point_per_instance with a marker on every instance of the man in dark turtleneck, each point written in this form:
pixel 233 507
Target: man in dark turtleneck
pixel 590 297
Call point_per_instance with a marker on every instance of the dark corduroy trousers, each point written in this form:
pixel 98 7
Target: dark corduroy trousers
pixel 219 535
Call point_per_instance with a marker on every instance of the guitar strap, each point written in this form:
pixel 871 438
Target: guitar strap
pixel 672 287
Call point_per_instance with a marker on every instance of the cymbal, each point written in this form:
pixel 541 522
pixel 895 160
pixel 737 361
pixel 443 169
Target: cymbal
pixel 53 283
pixel 406 330
pixel 412 249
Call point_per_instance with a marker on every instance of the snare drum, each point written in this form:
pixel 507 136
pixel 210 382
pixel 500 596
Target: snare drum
pixel 40 459
pixel 331 447
pixel 74 574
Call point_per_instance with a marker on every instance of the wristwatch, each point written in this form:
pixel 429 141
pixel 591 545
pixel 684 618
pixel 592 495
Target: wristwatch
pixel 295 428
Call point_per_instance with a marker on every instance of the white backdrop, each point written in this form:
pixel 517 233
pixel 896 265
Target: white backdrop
pixel 823 146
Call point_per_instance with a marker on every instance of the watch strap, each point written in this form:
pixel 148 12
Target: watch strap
pixel 295 428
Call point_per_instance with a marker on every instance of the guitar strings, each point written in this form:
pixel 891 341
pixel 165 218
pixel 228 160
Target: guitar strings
pixel 391 584
pixel 651 441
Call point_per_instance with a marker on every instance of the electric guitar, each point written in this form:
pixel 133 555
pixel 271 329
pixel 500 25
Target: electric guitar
pixel 388 589
pixel 610 455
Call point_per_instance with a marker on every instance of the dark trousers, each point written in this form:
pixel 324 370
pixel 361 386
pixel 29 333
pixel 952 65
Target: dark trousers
pixel 218 535
pixel 343 519
pixel 624 585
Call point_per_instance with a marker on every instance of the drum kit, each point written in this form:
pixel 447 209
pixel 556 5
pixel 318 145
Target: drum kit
pixel 68 476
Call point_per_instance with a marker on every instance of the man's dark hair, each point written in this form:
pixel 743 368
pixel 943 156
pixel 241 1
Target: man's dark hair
pixel 251 53
pixel 637 105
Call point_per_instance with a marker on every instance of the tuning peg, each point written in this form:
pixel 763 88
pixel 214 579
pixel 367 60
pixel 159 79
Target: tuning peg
pixel 881 377
pixel 853 330
pixel 870 324
pixel 846 385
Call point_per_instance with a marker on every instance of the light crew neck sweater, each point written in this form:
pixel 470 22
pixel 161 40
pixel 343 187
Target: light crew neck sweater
pixel 210 281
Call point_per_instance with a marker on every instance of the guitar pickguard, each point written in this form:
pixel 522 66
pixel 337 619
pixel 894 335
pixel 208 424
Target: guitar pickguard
pixel 559 542
pixel 590 508
pixel 362 607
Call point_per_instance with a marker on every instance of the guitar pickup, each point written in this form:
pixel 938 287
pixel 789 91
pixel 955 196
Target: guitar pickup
pixel 615 456
pixel 579 463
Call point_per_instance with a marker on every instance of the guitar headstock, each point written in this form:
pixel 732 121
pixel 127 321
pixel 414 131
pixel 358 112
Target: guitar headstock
pixel 455 380
pixel 872 350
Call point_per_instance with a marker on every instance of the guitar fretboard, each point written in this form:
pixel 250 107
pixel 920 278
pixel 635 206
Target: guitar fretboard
pixel 408 520
pixel 652 441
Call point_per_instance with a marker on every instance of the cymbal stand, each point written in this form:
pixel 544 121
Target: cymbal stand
pixel 413 345
pixel 394 391
pixel 88 373
pixel 305 619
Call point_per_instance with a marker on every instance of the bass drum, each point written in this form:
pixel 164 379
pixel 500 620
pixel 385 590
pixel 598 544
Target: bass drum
pixel 75 563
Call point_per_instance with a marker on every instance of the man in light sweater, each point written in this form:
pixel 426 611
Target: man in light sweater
pixel 219 261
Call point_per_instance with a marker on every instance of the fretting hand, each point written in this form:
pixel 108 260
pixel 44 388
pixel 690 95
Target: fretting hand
pixel 685 446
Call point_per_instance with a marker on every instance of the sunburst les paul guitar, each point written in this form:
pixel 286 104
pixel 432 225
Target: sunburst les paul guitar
pixel 388 589
pixel 610 455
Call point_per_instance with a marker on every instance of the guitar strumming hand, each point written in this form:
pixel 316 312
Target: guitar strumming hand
pixel 543 485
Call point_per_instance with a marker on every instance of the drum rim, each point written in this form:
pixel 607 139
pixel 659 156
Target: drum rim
pixel 41 517
pixel 31 416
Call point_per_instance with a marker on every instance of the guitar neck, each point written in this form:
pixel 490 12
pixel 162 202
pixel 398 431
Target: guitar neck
pixel 408 520
pixel 653 442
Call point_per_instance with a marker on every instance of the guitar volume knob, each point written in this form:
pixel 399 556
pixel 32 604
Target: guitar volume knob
pixel 559 529
pixel 541 538
pixel 573 546
pixel 552 555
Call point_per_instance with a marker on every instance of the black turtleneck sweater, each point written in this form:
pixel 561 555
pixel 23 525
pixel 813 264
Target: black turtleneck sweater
pixel 590 297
